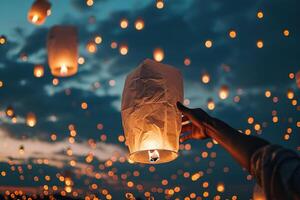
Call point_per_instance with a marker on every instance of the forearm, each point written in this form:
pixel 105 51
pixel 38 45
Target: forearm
pixel 240 146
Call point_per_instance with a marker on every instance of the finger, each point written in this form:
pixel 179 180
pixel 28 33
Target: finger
pixel 187 128
pixel 185 110
pixel 186 137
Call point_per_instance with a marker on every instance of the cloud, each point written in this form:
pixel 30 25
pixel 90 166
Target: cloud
pixel 54 152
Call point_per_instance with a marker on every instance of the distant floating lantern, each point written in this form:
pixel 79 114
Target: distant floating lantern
pixel 63 51
pixel 91 47
pixel 211 104
pixel 98 39
pixel 260 14
pixel 21 149
pixel 124 23
pixel 224 92
pixel 290 94
pixel 158 54
pixel 160 4
pixel 139 24
pixel 260 44
pixel 286 32
pixel 2 39
pixel 298 79
pixel 38 71
pixel 208 44
pixel 232 34
pixel 31 119
pixel 10 111
pixel 205 78
pixel 123 49
pixel 39 11
pixel 89 2
pixel 150 118
pixel 220 187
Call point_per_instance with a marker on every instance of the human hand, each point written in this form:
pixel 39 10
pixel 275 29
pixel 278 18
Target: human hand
pixel 195 123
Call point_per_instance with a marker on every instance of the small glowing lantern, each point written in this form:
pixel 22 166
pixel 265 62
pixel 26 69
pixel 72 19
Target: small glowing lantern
pixel 38 71
pixel 298 79
pixel 139 24
pixel 124 23
pixel 150 117
pixel 39 11
pixel 10 111
pixel 224 92
pixel 205 78
pixel 158 54
pixel 123 49
pixel 211 104
pixel 290 94
pixel 160 4
pixel 63 51
pixel 2 39
pixel 91 47
pixel 31 119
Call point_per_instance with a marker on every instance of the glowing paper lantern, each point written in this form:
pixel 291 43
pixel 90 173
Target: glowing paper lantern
pixel 38 71
pixel 39 11
pixel 150 118
pixel 298 79
pixel 10 111
pixel 31 120
pixel 224 92
pixel 91 47
pixel 158 54
pixel 139 24
pixel 63 51
pixel 159 4
pixel 2 39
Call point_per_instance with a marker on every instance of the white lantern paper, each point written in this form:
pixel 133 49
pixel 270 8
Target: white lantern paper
pixel 151 120
pixel 62 51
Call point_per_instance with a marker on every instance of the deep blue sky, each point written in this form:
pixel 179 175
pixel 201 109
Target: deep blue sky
pixel 181 29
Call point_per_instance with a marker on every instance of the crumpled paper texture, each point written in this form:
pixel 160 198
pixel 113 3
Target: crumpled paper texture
pixel 150 117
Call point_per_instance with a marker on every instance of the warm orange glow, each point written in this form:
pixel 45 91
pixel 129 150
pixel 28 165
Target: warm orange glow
pixel 232 34
pixel 63 51
pixel 98 39
pixel 124 23
pixel 268 93
pixel 290 94
pixel 210 104
pixel 260 15
pixel 220 187
pixel 84 105
pixel 187 61
pixel 208 43
pixel 286 32
pixel 205 78
pixel 91 47
pixel 31 120
pixel 260 44
pixel 38 12
pixel 123 49
pixel 139 24
pixel 224 92
pixel 38 71
pixel 159 4
pixel 89 2
pixel 2 40
pixel 158 54
pixel 250 120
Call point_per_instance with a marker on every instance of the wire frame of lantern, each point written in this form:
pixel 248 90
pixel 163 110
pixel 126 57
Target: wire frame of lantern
pixel 150 117
pixel 63 51
pixel 39 11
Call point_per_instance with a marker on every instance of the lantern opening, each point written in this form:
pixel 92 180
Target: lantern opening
pixel 63 69
pixel 35 18
pixel 153 156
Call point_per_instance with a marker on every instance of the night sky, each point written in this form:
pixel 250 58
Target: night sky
pixel 81 114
